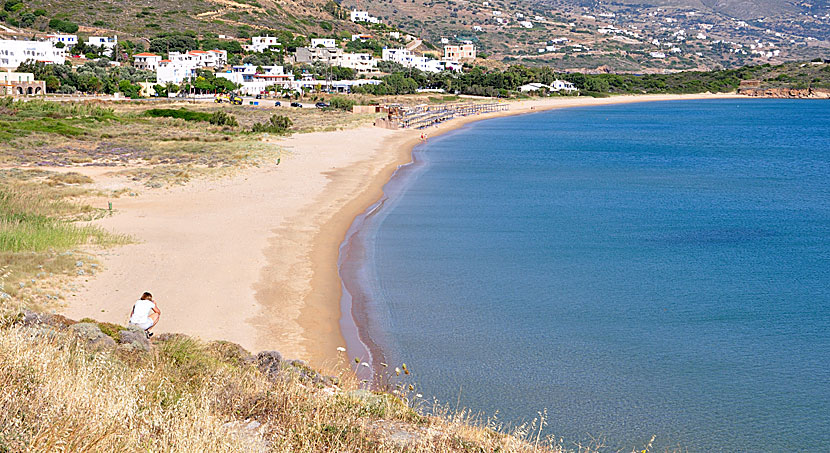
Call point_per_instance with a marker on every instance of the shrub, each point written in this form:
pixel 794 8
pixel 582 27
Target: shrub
pixel 339 102
pixel 223 119
pixel 182 113
pixel 278 124
pixel 64 26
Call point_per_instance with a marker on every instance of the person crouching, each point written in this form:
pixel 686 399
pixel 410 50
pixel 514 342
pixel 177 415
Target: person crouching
pixel 145 314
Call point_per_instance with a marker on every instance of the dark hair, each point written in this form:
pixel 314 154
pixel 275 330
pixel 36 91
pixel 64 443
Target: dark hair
pixel 146 296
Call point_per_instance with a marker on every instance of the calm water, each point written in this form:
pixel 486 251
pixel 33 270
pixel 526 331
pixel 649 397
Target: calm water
pixel 649 269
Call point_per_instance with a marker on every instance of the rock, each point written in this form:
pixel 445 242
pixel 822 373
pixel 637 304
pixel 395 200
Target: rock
pixel 252 425
pixel 134 337
pixel 31 318
pixel 91 333
pixel 269 363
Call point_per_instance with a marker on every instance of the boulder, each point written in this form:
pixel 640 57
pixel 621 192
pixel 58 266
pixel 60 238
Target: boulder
pixel 31 318
pixel 269 363
pixel 134 338
pixel 91 333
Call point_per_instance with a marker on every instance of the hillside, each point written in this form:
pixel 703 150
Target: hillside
pixel 628 36
pixel 233 18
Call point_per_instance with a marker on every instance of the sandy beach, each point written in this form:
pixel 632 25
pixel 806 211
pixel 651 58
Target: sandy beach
pixel 252 258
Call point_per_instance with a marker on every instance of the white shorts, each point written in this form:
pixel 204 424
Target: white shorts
pixel 143 325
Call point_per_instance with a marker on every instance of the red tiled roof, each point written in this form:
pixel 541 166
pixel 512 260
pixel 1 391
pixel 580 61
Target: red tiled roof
pixel 197 51
pixel 145 54
pixel 165 61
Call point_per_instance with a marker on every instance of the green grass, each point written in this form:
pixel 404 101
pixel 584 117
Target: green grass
pixel 29 223
pixel 181 113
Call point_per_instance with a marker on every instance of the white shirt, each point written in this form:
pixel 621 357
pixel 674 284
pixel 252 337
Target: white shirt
pixel 141 311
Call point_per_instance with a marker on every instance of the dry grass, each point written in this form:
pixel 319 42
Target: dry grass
pixel 188 396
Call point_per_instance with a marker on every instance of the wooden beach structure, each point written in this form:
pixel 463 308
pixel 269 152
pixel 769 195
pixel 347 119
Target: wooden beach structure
pixel 426 115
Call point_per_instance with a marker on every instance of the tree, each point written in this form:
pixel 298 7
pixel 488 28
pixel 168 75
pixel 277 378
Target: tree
pixel 129 90
pixel 63 26
pixel 52 84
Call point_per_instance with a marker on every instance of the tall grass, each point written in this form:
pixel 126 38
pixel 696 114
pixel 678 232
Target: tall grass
pixel 31 222
pixel 39 108
pixel 189 396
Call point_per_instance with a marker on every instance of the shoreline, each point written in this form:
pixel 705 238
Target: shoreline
pixel 351 258
pixel 253 258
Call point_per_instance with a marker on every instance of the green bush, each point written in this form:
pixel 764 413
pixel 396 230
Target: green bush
pixel 278 124
pixel 339 102
pixel 64 26
pixel 223 119
pixel 13 5
pixel 182 113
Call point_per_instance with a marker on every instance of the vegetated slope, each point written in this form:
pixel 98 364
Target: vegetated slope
pixel 639 36
pixel 741 9
pixel 92 386
pixel 238 18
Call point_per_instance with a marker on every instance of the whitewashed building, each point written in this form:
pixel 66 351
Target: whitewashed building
pixel 253 83
pixel 261 43
pixel 323 42
pixel 360 62
pixel 183 66
pixel 103 41
pixel 363 16
pixel 68 41
pixel 12 53
pixel 146 61
pixel 410 60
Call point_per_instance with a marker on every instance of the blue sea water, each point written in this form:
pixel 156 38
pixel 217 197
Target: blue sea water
pixel 656 269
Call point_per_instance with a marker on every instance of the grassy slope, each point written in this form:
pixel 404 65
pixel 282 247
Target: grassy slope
pixel 147 18
pixel 184 395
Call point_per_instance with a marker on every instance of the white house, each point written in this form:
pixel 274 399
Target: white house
pixel 146 61
pixel 363 16
pixel 68 41
pixel 176 72
pixel 455 53
pixel 103 41
pixel 360 62
pixel 556 86
pixel 323 42
pixel 12 53
pixel 561 85
pixel 182 66
pixel 407 59
pixel 253 83
pixel 261 43
pixel 526 23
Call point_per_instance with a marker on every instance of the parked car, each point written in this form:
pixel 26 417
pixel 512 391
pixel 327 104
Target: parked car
pixel 259 96
pixel 296 104
pixel 277 104
pixel 235 100
pixel 321 105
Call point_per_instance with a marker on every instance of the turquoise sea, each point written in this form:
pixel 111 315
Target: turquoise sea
pixel 654 269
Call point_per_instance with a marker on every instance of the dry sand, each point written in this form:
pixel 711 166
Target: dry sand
pixel 252 258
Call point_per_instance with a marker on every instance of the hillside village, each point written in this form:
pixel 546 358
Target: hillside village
pixel 262 59
pixel 362 48
pixel 615 37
